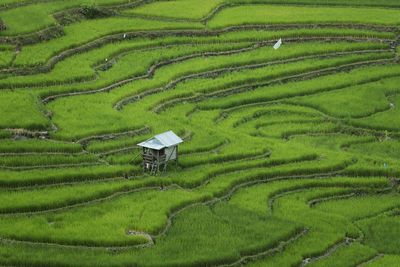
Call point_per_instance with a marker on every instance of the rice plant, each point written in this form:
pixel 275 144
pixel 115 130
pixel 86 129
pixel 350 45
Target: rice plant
pixel 290 154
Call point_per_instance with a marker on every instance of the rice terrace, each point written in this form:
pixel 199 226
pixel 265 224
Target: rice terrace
pixel 268 132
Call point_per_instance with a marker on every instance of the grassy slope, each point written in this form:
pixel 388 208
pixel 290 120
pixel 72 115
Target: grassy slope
pixel 269 135
pixel 271 14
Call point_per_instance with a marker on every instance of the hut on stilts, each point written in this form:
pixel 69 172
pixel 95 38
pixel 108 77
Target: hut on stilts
pixel 159 150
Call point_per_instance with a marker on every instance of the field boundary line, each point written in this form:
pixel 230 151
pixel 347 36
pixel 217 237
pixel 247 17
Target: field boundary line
pixel 225 197
pixel 226 111
pixel 279 248
pixel 112 37
pixel 379 255
pixel 291 78
pixel 117 193
pixel 57 166
pixel 327 253
pixel 132 133
pixel 211 73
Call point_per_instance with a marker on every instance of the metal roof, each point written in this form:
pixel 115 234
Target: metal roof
pixel 160 141
pixel 152 143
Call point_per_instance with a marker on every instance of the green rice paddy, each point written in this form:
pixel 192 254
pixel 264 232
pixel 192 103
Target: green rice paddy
pixel 291 157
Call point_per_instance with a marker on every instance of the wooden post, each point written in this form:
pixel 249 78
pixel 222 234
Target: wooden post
pixel 144 162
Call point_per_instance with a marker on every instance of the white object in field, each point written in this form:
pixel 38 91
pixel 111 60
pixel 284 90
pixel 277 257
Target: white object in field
pixel 106 59
pixel 124 35
pixel 278 44
pixel 391 105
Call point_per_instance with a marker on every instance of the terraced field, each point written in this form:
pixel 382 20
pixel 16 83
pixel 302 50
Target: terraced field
pixel 291 157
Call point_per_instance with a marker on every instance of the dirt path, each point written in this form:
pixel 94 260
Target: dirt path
pixel 329 252
pixel 377 256
pixel 279 248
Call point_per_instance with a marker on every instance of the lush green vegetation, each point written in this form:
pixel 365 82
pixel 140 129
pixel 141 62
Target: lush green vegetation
pixel 26 146
pixel 40 53
pixel 39 176
pixel 6 58
pixel 271 14
pixel 290 156
pixel 28 111
pixel 46 160
pixel 345 256
pixel 177 9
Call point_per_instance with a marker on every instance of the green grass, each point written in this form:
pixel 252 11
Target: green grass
pixel 6 47
pixel 228 224
pixel 10 2
pixel 284 150
pixel 386 120
pixel 60 2
pixel 65 113
pixel 388 3
pixel 234 78
pixel 321 84
pixel 367 166
pixel 127 66
pixel 64 175
pixel 90 30
pixel 347 102
pixel 62 222
pixel 123 67
pixel 270 14
pixel 115 144
pixel 44 160
pixel 286 129
pixel 5 134
pixel 221 220
pixel 182 9
pixel 139 216
pixel 379 232
pixel 18 22
pixel 23 111
pixel 189 9
pixel 37 16
pixel 26 146
pixel 347 255
pixel 127 157
pixel 40 53
pixel 6 58
pixel 385 148
pixel 385 260
pixel 359 207
pixel 294 205
pixel 61 196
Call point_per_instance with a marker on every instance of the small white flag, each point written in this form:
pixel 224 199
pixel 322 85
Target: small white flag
pixel 278 44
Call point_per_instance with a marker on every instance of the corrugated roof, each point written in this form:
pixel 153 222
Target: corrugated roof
pixel 160 141
pixel 152 143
